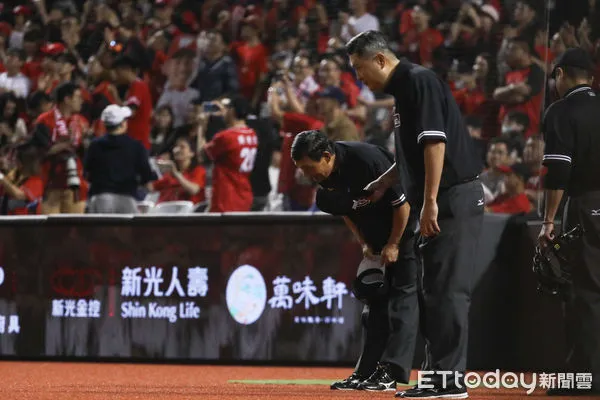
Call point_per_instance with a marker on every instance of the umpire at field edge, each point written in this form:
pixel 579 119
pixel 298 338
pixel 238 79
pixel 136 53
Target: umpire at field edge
pixel 433 145
pixel 571 127
pixel 386 230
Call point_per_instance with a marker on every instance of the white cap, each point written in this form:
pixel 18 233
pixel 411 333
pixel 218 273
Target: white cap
pixel 114 115
pixel 491 11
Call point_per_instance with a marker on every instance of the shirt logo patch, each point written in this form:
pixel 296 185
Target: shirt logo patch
pixel 397 122
pixel 356 204
pixel 595 213
pixel 480 202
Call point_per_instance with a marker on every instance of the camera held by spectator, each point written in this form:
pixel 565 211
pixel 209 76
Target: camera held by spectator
pixel 73 181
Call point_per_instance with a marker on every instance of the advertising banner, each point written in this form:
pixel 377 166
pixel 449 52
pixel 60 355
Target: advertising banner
pixel 277 290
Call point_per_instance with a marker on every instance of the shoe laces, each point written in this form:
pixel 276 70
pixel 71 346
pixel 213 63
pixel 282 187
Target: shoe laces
pixel 380 372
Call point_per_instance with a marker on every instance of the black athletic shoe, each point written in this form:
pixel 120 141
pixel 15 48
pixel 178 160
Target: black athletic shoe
pixel 381 380
pixel 350 383
pixel 435 393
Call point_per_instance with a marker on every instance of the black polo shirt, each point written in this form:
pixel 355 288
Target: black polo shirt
pixel 571 128
pixel 356 165
pixel 426 110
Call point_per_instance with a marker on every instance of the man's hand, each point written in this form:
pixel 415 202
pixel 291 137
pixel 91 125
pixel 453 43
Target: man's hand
pixel 60 147
pixel 377 189
pixel 389 254
pixel 429 223
pixel 367 252
pixel 546 234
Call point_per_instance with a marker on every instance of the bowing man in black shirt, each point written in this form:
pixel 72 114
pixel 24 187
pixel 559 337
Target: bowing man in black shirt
pixel 571 128
pixel 434 147
pixel 387 277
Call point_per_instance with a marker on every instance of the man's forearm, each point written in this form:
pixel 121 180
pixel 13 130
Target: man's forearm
pixel 399 223
pixel 553 198
pixel 354 230
pixel 434 163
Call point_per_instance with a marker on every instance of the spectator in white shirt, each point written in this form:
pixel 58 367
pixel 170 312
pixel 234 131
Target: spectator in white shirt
pixel 21 14
pixel 360 21
pixel 177 94
pixel 13 80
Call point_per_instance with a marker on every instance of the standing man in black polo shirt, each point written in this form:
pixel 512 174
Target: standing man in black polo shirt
pixel 387 277
pixel 115 166
pixel 571 128
pixel 433 145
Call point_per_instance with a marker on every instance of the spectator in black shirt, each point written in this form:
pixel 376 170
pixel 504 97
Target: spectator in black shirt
pixel 434 148
pixel 571 128
pixel 217 73
pixel 115 166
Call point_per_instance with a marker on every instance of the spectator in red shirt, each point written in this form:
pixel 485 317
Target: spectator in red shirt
pixel 184 179
pixel 233 152
pixel 138 98
pixel 49 78
pixel 22 189
pixel 103 92
pixel 522 88
pixel 471 91
pixel 32 41
pixel 251 57
pixel 514 200
pixel 423 39
pixel 60 133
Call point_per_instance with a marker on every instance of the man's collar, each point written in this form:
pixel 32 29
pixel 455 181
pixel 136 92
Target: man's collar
pixel 577 89
pixel 390 85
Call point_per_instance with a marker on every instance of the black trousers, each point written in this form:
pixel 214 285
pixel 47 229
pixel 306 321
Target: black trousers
pixel 583 306
pixel 391 324
pixel 446 284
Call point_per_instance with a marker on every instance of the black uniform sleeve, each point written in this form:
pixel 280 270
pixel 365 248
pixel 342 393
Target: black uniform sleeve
pixel 559 137
pixel 429 98
pixel 395 195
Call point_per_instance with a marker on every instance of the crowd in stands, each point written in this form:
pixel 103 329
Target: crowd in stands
pixel 217 90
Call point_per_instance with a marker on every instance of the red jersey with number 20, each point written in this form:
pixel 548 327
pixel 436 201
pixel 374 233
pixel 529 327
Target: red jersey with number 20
pixel 233 152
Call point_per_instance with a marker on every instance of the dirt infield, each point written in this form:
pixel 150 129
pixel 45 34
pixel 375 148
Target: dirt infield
pixel 77 381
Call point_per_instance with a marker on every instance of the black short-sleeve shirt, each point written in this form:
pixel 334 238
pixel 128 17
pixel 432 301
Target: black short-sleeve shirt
pixel 571 129
pixel 426 110
pixel 356 165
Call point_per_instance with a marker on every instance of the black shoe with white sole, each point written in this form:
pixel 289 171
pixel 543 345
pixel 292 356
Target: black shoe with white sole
pixel 435 393
pixel 350 383
pixel 380 381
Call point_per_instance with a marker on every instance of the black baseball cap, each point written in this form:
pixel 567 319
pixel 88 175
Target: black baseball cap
pixel 574 57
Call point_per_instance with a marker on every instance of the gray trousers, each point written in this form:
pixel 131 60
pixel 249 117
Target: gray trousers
pixel 111 203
